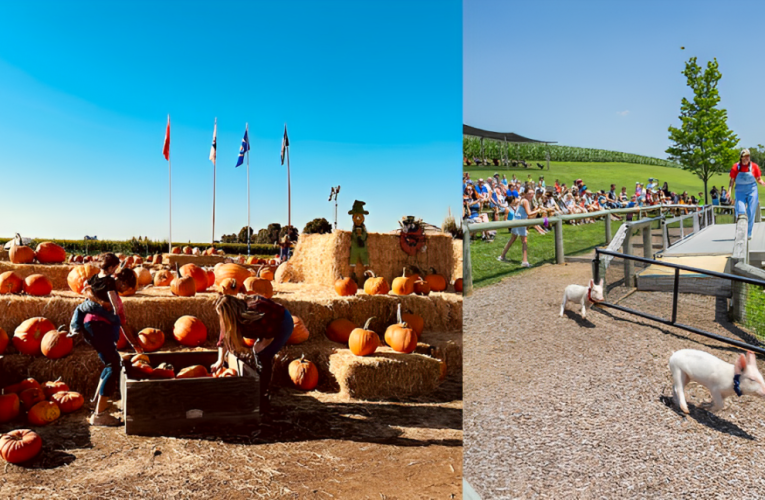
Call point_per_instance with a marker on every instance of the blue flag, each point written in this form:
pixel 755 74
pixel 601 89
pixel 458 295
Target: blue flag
pixel 243 149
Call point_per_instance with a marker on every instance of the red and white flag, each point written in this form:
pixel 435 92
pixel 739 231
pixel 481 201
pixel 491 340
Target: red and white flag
pixel 166 147
pixel 285 142
pixel 214 148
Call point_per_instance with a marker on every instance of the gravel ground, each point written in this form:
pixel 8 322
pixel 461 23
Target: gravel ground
pixel 570 408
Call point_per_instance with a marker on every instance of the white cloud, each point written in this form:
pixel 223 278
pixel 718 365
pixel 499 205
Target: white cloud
pixel 623 113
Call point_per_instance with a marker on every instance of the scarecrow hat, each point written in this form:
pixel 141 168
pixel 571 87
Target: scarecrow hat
pixel 358 208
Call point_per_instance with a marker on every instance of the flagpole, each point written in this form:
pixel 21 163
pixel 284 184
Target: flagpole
pixel 215 159
pixel 170 197
pixel 289 191
pixel 246 128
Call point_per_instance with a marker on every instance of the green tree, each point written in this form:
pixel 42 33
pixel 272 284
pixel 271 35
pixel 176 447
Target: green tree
pixel 318 226
pixel 243 235
pixel 703 145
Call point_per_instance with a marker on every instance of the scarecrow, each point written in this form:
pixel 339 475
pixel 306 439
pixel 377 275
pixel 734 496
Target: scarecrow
pixel 359 250
pixel 412 236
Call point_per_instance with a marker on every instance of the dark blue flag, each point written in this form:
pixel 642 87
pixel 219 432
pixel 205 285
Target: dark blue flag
pixel 243 149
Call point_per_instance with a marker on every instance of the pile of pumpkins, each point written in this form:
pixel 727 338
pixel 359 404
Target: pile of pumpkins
pixel 188 331
pixel 142 369
pixel 36 285
pixel 401 336
pixel 43 403
pixel 38 336
pixel 408 283
pixel 47 252
pixel 188 250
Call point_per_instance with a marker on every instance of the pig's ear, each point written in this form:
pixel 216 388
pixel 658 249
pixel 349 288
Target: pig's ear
pixel 740 365
pixel 592 283
pixel 601 282
pixel 750 359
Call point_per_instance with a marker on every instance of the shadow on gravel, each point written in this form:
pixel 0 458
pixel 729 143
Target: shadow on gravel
pixel 582 322
pixel 708 419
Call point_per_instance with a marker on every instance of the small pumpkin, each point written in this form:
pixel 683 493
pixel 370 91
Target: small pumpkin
pixel 143 276
pixel 184 286
pixel 259 286
pixel 19 253
pixel 27 338
pixel 79 259
pixel 375 285
pixel 30 397
pixel 209 251
pixel 304 374
pixel 163 277
pixel 437 282
pixel 137 260
pixel 175 250
pixel 164 370
pixel 199 275
pixel 400 337
pixel 340 330
pixel 51 388
pixel 266 273
pixel 20 446
pixel 43 413
pixel 363 341
pixel 56 344
pixel 140 358
pixel 225 372
pixel 143 369
pixel 421 287
pixel 415 321
pixel 3 340
pixel 458 285
pixel 299 333
pixel 210 277
pixel 190 331
pixel 68 401
pixel 11 282
pixel 37 285
pixel 346 287
pixel 403 285
pixel 194 371
pixel 48 252
pixel 157 259
pixel 28 383
pixel 79 275
pixel 187 250
pixel 228 286
pixel 151 339
pixel 10 407
pixel 223 271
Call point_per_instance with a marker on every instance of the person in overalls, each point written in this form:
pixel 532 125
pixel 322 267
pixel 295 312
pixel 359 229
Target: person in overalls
pixel 745 175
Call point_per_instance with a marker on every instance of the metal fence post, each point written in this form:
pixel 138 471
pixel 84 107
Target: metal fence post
pixel 467 266
pixel 647 241
pixel 560 258
pixel 695 222
pixel 608 229
pixel 627 249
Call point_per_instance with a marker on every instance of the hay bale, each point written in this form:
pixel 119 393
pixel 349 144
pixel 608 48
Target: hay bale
pixel 445 346
pixel 386 375
pixel 3 254
pixel 56 273
pixel 324 258
pixel 80 370
pixel 183 259
pixel 457 259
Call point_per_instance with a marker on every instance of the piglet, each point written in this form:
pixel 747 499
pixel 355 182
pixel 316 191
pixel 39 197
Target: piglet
pixel 720 378
pixel 582 295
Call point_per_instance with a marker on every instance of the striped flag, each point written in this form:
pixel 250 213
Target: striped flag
pixel 243 148
pixel 166 147
pixel 214 147
pixel 285 142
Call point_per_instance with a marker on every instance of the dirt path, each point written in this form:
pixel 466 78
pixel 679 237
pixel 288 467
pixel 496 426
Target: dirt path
pixel 570 408
pixel 328 448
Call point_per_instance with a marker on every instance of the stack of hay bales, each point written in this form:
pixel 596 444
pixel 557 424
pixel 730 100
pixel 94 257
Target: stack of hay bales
pixel 56 273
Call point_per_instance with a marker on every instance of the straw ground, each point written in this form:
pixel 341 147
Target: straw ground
pixel 571 408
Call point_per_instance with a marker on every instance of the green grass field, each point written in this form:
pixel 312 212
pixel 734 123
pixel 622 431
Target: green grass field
pixel 602 175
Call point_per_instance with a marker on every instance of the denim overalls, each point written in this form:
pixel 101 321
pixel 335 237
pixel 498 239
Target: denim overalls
pixel 746 196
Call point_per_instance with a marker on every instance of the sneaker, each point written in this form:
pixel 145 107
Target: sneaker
pixel 104 419
pixel 502 259
pixel 525 264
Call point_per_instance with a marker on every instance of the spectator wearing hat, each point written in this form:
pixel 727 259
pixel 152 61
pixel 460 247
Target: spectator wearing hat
pixel 744 177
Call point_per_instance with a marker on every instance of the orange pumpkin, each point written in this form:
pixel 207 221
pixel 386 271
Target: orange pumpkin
pixel 225 372
pixel 10 407
pixel 198 274
pixel 266 273
pixel 20 254
pixel 458 285
pixel 304 374
pixel 3 340
pixel 10 282
pixel 163 277
pixel 137 260
pixel 37 285
pixel 29 383
pixel 140 358
pixel 143 277
pixel 228 286
pixel 187 250
pixel 299 333
pixel 421 287
pixel 157 259
pixel 415 321
pixel 30 397
pixel 209 251
pixel 175 250
pixel 183 287
pixel 210 277
pixel 223 271
pixel 79 275
pixel 363 341
pixel 68 401
pixel 194 371
pixel 129 262
pixel 151 339
pixel 190 331
pixel 252 260
pixel 20 446
pixel 142 369
pixel 400 337
pixel 56 344
pixel 79 259
pixel 51 388
pixel 375 285
pixel 346 287
pixel 437 282
pixel 403 285
pixel 259 286
pixel 340 330
pixel 164 370
pixel 28 336
pixel 44 413
pixel 48 252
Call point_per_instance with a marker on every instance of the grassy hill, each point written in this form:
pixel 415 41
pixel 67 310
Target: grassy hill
pixel 601 175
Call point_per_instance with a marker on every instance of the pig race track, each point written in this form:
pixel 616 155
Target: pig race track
pixel 571 408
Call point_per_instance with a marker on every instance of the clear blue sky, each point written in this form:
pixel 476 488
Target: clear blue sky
pixel 607 74
pixel 370 91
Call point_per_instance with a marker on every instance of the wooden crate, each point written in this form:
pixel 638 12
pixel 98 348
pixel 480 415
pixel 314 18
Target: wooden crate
pixel 171 407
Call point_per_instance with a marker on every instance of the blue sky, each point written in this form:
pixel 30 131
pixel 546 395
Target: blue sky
pixel 370 91
pixel 607 74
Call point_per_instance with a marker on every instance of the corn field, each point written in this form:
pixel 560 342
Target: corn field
pixel 471 148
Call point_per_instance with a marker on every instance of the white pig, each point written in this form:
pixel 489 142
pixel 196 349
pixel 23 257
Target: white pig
pixel 582 295
pixel 720 378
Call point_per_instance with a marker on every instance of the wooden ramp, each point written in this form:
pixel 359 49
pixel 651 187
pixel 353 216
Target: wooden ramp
pixel 657 278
